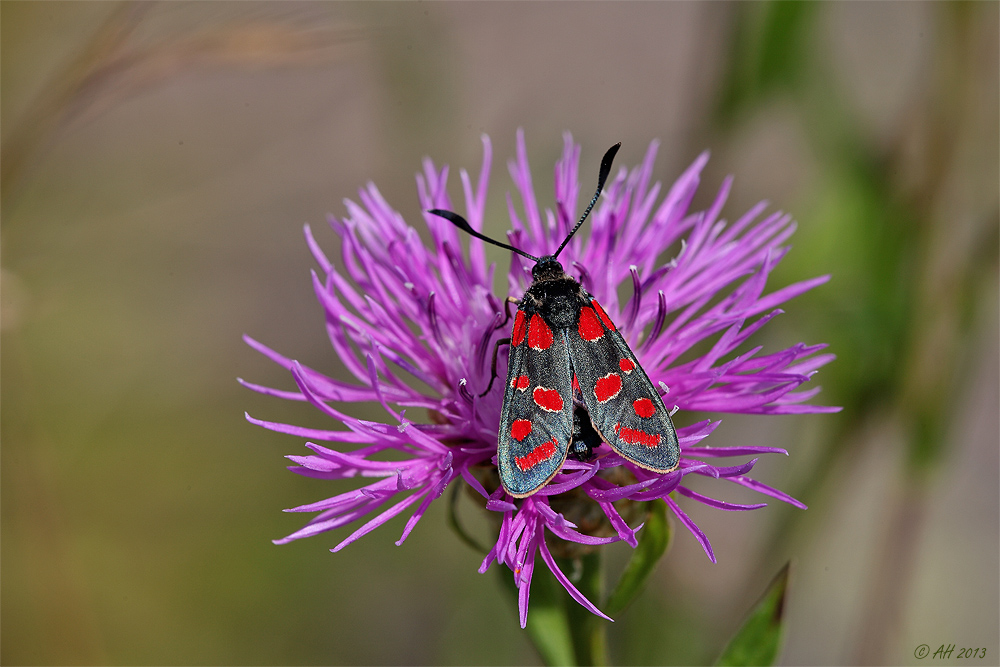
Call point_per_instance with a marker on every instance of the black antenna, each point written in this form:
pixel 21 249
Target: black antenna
pixel 462 223
pixel 602 176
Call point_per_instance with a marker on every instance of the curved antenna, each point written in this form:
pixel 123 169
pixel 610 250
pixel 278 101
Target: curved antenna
pixel 463 224
pixel 602 176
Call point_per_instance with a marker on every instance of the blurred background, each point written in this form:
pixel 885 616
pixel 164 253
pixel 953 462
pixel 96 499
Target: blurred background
pixel 159 160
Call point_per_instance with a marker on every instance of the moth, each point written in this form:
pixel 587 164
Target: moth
pixel 566 355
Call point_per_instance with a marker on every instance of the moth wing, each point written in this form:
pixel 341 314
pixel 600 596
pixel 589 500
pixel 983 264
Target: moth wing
pixel 624 406
pixel 536 422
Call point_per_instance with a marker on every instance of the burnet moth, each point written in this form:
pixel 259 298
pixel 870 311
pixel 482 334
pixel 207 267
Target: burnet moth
pixel 567 359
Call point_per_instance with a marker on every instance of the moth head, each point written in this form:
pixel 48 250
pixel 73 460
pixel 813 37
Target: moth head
pixel 547 268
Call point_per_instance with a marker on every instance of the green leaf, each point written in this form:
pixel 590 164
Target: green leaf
pixel 654 539
pixel 548 621
pixel 759 640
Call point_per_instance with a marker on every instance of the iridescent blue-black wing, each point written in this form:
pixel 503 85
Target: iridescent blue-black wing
pixel 624 406
pixel 536 422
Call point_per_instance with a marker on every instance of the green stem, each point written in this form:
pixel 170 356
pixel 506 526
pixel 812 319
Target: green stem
pixel 588 632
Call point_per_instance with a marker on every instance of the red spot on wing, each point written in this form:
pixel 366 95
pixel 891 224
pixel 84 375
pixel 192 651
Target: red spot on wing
pixel 542 452
pixel 548 399
pixel 520 328
pixel 635 436
pixel 576 384
pixel 520 382
pixel 626 365
pixel 604 316
pixel 644 407
pixel 607 387
pixel 520 429
pixel 539 334
pixel 589 326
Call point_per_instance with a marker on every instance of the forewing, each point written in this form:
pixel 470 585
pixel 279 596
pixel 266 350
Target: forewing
pixel 624 406
pixel 536 423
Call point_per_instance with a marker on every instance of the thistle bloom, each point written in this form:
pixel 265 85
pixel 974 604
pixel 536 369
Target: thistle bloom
pixel 416 325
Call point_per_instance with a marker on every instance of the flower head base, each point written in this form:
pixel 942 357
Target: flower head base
pixel 415 325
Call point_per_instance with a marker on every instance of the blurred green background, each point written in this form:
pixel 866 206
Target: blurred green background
pixel 159 160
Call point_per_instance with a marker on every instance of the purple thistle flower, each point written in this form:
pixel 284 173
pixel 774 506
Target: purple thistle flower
pixel 400 311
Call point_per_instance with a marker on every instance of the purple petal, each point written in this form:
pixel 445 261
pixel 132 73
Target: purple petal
pixel 719 504
pixel 619 524
pixel 732 451
pixel 568 482
pixel 767 490
pixel 434 494
pixel 618 492
pixel 500 506
pixel 727 471
pixel 567 584
pixel 473 482
pixel 520 172
pixel 268 391
pixel 380 519
pixel 788 293
pixel 339 436
pixel 524 586
pixel 798 409
pixel 693 527
pixel 316 251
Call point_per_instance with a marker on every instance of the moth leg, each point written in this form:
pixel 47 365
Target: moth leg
pixel 506 309
pixel 496 347
pixel 493 364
